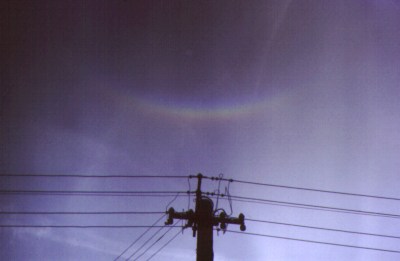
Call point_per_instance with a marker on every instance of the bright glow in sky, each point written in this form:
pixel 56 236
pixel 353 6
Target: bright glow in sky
pixel 297 93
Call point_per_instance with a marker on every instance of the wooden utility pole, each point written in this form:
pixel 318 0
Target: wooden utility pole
pixel 202 221
pixel 205 230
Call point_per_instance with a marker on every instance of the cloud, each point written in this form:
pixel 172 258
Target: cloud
pixel 84 239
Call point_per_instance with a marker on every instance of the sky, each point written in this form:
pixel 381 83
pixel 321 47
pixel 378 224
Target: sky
pixel 294 93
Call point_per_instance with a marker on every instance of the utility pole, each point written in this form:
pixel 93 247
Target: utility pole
pixel 202 221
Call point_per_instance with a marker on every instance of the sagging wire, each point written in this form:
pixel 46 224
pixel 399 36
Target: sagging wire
pixel 218 194
pixel 172 201
pixel 188 179
pixel 220 176
pixel 227 192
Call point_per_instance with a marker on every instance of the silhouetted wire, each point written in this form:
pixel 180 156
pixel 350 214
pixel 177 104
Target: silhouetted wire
pixel 317 207
pixel 80 226
pixel 172 201
pixel 158 194
pixel 218 190
pixel 321 228
pixel 304 189
pixel 93 176
pixel 315 242
pixel 277 204
pixel 188 180
pixel 228 193
pixel 155 242
pixel 163 246
pixel 300 207
pixel 138 238
pixel 93 195
pixel 96 192
pixel 80 212
pixel 145 243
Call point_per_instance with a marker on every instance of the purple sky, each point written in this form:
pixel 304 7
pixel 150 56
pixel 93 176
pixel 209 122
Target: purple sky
pixel 297 93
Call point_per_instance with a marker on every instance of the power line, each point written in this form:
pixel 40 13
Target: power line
pixel 80 212
pixel 321 228
pixel 90 192
pixel 97 195
pixel 163 246
pixel 304 189
pixel 145 243
pixel 93 176
pixel 147 229
pixel 138 238
pixel 81 226
pixel 315 242
pixel 317 207
pixel 278 204
pixel 155 242
pixel 191 176
pixel 308 207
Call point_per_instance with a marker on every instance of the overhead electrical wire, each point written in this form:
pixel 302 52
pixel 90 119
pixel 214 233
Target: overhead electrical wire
pixel 247 219
pixel 5 191
pixel 303 188
pixel 80 226
pixel 295 206
pixel 80 212
pixel 97 195
pixel 155 242
pixel 145 243
pixel 107 193
pixel 315 242
pixel 321 228
pixel 206 177
pixel 310 206
pixel 163 246
pixel 181 193
pixel 175 194
pixel 154 234
pixel 277 204
pixel 140 236
pixel 185 193
pixel 93 176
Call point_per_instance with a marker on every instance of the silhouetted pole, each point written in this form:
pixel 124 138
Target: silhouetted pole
pixel 205 230
pixel 202 221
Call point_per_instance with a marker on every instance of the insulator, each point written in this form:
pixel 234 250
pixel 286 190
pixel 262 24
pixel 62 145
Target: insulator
pixel 169 221
pixel 242 227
